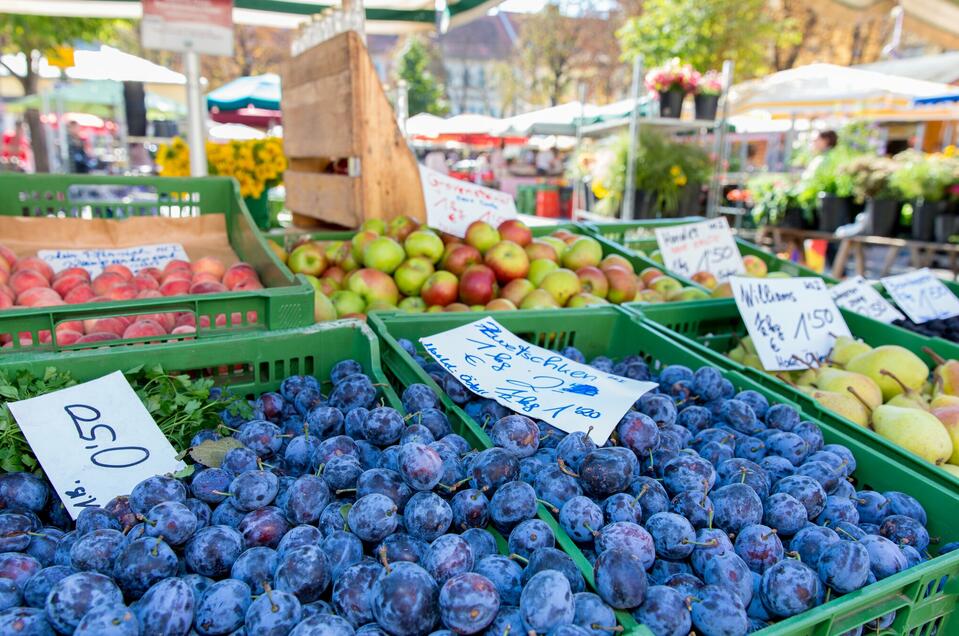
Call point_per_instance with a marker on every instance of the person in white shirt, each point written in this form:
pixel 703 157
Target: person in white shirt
pixel 544 162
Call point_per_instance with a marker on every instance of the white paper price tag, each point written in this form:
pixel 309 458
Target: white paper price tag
pixel 451 204
pixel 922 296
pixel 95 441
pixel 707 246
pixel 793 321
pixel 95 260
pixel 493 363
pixel 856 294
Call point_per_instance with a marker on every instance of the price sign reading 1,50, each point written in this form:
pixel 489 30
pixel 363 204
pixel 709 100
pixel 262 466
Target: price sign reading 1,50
pixel 815 320
pixel 100 433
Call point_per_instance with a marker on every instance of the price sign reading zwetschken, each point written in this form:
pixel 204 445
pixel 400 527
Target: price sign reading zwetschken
pixel 856 294
pixel 493 363
pixel 922 296
pixel 94 440
pixel 707 246
pixel 793 321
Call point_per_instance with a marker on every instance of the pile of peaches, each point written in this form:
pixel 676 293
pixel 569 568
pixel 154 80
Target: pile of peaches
pixel 31 282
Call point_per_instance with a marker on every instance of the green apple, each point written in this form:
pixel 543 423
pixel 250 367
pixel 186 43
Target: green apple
pixel 383 254
pixel 559 246
pixel 666 284
pixel 374 225
pixel 360 241
pixel 562 285
pixel 584 252
pixel 347 302
pixel 380 305
pixel 424 243
pixel 372 284
pixel 692 293
pixel 778 275
pixel 539 268
pixel 412 305
pixel 412 274
pixel 584 299
pixel 656 256
pixel 307 259
pixel 539 299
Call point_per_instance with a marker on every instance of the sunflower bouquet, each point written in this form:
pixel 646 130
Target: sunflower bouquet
pixel 257 164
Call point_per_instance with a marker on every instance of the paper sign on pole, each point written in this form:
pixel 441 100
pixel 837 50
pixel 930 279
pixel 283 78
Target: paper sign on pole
pixel 201 26
pixel 922 296
pixel 95 441
pixel 94 260
pixel 451 204
pixel 793 321
pixel 493 363
pixel 856 294
pixel 707 246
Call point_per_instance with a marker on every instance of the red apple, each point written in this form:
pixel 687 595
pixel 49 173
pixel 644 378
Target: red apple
pixel 372 284
pixel 460 257
pixel 593 281
pixel 508 261
pixel 622 285
pixel 706 279
pixel 335 273
pixel 441 288
pixel 516 290
pixel 500 304
pixel 477 285
pixel 562 285
pixel 648 275
pixel 615 260
pixel 541 249
pixel 37 264
pixel 516 231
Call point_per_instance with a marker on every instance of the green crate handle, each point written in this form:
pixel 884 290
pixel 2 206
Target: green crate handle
pixel 615 331
pixel 285 302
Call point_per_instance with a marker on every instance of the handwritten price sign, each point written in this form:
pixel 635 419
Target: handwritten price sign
pixel 707 246
pixel 133 257
pixel 451 204
pixel 792 321
pixel 856 294
pixel 94 440
pixel 922 296
pixel 493 363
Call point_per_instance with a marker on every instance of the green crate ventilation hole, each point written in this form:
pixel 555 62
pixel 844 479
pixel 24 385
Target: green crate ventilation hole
pixel 54 204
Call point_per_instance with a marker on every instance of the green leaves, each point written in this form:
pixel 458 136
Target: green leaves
pixel 15 453
pixel 211 452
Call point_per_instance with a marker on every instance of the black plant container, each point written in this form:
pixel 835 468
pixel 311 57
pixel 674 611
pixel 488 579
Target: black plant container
pixel 833 212
pixel 671 103
pixel 924 215
pixel 883 217
pixel 706 106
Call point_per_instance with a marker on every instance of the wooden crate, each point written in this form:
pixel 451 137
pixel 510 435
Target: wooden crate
pixel 334 108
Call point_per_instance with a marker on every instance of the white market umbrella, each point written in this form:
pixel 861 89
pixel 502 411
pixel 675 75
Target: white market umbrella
pixel 235 132
pixel 555 120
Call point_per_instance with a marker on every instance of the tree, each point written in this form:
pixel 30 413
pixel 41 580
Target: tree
pixel 704 33
pixel 32 36
pixel 424 92
pixel 547 52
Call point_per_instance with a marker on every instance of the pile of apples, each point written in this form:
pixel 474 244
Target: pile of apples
pixel 411 268
pixel 888 389
pixel 755 267
pixel 31 282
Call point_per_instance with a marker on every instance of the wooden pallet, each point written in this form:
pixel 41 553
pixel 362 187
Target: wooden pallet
pixel 335 109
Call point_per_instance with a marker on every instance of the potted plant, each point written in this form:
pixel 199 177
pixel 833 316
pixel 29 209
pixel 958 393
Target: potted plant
pixel 829 191
pixel 925 179
pixel 775 202
pixel 871 178
pixel 671 82
pixel 709 86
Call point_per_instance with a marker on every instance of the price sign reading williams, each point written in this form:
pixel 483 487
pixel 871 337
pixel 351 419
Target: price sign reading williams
pixel 856 294
pixel 543 385
pixel 793 321
pixel 922 296
pixel 707 246
pixel 94 440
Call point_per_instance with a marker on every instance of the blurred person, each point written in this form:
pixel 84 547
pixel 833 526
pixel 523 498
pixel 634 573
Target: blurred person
pixel 481 167
pixel 80 160
pixel 544 162
pixel 497 160
pixel 822 145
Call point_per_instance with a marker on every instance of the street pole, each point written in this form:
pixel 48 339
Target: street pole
pixel 629 196
pixel 719 149
pixel 196 114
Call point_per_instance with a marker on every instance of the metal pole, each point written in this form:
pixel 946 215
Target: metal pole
pixel 579 185
pixel 629 195
pixel 402 104
pixel 196 114
pixel 720 149
pixel 62 140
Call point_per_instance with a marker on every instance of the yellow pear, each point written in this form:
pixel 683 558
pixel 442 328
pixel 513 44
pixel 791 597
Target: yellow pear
pixel 846 348
pixel 752 360
pixel 952 469
pixel 918 431
pixel 839 381
pixel 843 404
pixel 892 367
pixel 737 353
pixel 805 378
pixel 949 416
pixel 909 400
pixel 747 344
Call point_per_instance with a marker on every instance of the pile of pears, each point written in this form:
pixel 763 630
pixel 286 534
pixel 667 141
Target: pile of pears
pixel 888 389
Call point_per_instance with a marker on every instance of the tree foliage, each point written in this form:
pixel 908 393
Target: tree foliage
pixel 424 92
pixel 703 33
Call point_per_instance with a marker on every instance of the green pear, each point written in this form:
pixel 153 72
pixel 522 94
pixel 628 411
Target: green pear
pixel 737 353
pixel 843 404
pixel 846 348
pixel 952 469
pixel 918 431
pixel 839 381
pixel 892 367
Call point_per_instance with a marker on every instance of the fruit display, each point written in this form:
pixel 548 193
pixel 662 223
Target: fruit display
pixel 740 512
pixel 414 269
pixel 945 328
pixel 31 282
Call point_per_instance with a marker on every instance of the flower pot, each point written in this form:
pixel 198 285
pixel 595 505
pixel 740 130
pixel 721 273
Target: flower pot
pixel 706 106
pixel 259 209
pixel 833 212
pixel 945 226
pixel 924 219
pixel 883 217
pixel 792 218
pixel 671 102
pixel 644 204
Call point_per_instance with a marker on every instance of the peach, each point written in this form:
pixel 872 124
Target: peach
pixel 39 297
pixel 205 321
pixel 97 336
pixel 111 324
pixel 123 291
pixel 24 279
pixel 207 288
pixel 46 337
pixel 205 277
pixel 5 302
pixel 4 274
pixel 72 271
pixel 8 255
pixel 66 337
pixel 144 328
pixel 175 264
pixel 5 266
pixel 5 290
pixel 248 285
pixel 153 272
pixel 149 293
pixel 36 264
pixel 70 325
pixel 79 294
pixel 122 270
pixel 209 265
pixel 102 283
pixel 184 329
pixel 185 318
pixel 238 273
pixel 175 287
pixel 177 274
pixel 165 320
pixel 64 284
pixel 145 282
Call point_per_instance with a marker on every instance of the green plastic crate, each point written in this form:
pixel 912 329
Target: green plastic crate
pixel 285 302
pixel 713 328
pixel 614 332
